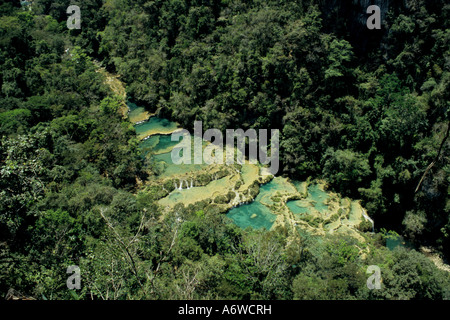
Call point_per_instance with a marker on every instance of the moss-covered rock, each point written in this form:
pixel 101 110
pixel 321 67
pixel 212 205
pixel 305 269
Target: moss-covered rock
pixel 364 226
pixel 254 189
pixel 203 179
pixel 221 199
pixel 169 185
pixel 230 195
pixel 334 217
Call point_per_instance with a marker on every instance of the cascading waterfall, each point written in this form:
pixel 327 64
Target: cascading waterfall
pixel 236 200
pixel 139 122
pixel 181 184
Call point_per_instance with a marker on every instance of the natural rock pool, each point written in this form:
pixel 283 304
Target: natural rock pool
pixel 280 201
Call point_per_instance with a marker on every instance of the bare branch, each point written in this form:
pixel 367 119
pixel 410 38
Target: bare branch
pixel 435 159
pixel 125 247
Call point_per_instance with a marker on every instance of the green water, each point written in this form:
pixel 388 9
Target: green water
pixel 155 125
pixel 244 215
pixel 255 215
pixel 273 190
pixel 163 149
pixel 391 244
pixel 134 109
pixel 156 132
pixel 170 169
pixel 196 194
pixel 297 207
pixel 316 197
pixel 155 135
pixel 149 145
pixel 394 242
pixel 136 113
pixel 158 144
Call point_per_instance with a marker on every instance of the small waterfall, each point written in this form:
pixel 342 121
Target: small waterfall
pixel 237 199
pixel 368 218
pixel 181 184
pixel 142 121
pixel 145 138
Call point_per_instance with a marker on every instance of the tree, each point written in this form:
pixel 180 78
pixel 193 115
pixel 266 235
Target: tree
pixel 345 168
